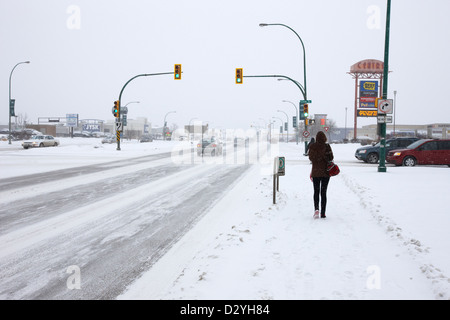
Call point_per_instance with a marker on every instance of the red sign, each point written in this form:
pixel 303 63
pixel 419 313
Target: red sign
pixel 366 99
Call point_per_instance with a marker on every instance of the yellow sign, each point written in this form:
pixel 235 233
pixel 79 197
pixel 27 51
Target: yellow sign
pixel 370 86
pixel 367 113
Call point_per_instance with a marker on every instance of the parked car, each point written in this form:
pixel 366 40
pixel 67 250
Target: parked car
pixel 40 141
pixel 146 139
pixel 109 139
pixel 211 146
pixel 371 154
pixel 426 151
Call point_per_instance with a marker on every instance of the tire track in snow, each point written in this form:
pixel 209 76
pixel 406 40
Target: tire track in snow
pixel 439 281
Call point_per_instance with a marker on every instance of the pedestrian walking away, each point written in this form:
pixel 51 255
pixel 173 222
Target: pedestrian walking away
pixel 320 153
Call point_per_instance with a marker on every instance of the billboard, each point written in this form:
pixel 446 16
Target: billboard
pixel 72 120
pixel 91 127
pixel 368 93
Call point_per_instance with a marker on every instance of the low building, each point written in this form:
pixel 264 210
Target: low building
pixel 134 128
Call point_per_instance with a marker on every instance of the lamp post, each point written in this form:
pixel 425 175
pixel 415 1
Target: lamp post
pixel 297 116
pixel 190 128
pixel 164 128
pixel 124 114
pixel 304 58
pixel 9 106
pixel 395 108
pixel 345 136
pixel 282 135
pixel 303 46
pixel 287 123
pixel 124 109
pixel 131 102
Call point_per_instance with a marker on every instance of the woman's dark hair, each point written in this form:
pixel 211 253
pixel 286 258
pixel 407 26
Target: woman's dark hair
pixel 321 137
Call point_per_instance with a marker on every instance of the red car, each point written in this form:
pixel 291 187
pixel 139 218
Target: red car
pixel 425 151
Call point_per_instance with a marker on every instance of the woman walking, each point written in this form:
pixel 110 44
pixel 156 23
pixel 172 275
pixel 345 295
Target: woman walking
pixel 320 154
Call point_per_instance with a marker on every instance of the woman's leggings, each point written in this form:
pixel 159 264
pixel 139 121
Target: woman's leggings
pixel 320 188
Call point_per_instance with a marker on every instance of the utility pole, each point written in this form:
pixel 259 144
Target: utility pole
pixel 382 163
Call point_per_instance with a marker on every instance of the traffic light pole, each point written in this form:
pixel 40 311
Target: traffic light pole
pixel 123 88
pixel 382 162
pixel 10 107
pixel 302 89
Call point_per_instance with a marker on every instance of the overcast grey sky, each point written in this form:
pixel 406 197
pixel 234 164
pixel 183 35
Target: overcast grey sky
pixel 82 53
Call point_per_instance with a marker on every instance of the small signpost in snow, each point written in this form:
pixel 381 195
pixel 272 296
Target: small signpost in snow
pixel 278 170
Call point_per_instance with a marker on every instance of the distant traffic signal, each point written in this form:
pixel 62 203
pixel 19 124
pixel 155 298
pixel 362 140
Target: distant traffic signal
pixel 305 111
pixel 239 75
pixel 116 109
pixel 177 73
pixel 302 115
pixel 12 102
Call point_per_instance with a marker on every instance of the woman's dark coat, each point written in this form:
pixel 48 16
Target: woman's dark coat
pixel 320 154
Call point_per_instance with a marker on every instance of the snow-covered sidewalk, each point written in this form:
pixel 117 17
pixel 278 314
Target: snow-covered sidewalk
pixel 378 241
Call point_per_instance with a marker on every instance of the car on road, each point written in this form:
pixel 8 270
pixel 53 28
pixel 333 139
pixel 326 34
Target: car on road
pixel 109 139
pixel 371 154
pixel 425 151
pixel 146 139
pixel 40 141
pixel 210 146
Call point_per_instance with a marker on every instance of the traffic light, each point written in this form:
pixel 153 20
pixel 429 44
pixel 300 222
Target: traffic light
pixel 12 102
pixel 177 73
pixel 305 111
pixel 302 115
pixel 239 75
pixel 116 109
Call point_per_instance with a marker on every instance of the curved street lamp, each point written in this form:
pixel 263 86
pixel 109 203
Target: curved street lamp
pixel 282 135
pixel 297 115
pixel 190 127
pixel 303 46
pixel 287 123
pixel 10 76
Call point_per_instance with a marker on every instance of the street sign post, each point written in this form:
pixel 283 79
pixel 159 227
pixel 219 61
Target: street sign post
pixel 385 106
pixel 278 170
pixel 384 119
pixel 281 166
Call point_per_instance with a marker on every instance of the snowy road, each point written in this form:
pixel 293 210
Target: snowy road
pixel 110 221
